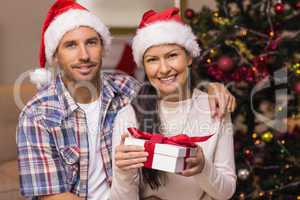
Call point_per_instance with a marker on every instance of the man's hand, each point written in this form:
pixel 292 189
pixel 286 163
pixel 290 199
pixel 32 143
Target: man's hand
pixel 220 100
pixel 292 124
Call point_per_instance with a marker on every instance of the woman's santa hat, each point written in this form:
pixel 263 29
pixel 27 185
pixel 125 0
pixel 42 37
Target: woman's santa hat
pixel 63 16
pixel 164 27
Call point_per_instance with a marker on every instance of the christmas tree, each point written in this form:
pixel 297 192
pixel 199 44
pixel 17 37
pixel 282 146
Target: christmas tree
pixel 253 46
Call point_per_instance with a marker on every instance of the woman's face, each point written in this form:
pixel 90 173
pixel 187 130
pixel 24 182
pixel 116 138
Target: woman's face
pixel 166 67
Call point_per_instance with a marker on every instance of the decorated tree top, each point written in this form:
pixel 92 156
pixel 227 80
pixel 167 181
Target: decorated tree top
pixel 249 43
pixel 248 40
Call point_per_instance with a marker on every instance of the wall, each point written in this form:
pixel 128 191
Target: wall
pixel 121 13
pixel 197 4
pixel 20 24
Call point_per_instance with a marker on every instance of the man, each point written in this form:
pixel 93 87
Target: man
pixel 64 132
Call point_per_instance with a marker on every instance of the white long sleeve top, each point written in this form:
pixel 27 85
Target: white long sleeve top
pixel 192 117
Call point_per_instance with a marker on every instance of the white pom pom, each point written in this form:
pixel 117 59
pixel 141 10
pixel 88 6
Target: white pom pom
pixel 40 77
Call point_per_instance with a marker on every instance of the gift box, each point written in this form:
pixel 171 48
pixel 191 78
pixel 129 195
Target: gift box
pixel 166 157
pixel 165 153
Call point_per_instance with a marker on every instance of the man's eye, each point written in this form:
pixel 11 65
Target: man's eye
pixel 70 45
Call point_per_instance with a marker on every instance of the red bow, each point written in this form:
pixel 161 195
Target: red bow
pixel 154 138
pixel 179 140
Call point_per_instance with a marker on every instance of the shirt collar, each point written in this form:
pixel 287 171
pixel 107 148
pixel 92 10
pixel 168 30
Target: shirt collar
pixel 110 87
pixel 66 100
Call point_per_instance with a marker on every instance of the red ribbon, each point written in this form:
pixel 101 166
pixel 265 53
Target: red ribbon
pixel 154 138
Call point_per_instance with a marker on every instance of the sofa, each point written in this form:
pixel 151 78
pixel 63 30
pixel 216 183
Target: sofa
pixel 13 98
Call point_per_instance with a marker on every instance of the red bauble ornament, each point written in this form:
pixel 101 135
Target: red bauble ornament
pixel 249 76
pixel 248 153
pixel 297 5
pixel 279 8
pixel 243 69
pixel 216 73
pixel 297 87
pixel 236 76
pixel 225 63
pixel 262 58
pixel 189 13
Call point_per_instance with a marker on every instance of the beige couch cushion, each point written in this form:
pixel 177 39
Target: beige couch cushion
pixel 9 181
pixel 9 178
pixel 10 110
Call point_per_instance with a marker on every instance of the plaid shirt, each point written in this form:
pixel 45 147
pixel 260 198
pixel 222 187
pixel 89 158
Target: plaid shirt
pixel 52 139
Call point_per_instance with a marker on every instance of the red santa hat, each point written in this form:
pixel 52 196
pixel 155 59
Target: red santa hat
pixel 164 27
pixel 63 16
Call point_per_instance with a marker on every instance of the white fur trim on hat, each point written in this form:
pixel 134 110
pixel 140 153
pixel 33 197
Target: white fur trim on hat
pixel 40 77
pixel 68 21
pixel 164 32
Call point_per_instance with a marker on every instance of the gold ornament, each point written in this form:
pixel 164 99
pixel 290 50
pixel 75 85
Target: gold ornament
pixel 243 32
pixel 287 166
pixel 216 14
pixel 295 68
pixel 243 174
pixel 226 21
pixel 279 108
pixel 267 136
pixel 257 142
pixel 271 34
pixel 213 52
pixel 241 46
pixel 242 196
pixel 261 194
pixel 217 19
pixel 204 35
pixel 270 193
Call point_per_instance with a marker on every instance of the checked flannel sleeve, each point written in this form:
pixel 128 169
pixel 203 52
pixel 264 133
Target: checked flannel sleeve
pixel 40 168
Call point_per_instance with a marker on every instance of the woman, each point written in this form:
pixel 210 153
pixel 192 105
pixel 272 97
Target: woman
pixel 170 104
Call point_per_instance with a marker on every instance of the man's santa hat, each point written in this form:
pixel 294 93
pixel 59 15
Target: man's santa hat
pixel 64 16
pixel 164 27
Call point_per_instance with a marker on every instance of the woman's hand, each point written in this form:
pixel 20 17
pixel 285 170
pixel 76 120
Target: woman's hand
pixel 194 165
pixel 129 157
pixel 220 100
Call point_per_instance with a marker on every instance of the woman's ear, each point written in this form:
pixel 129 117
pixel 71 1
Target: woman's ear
pixel 190 60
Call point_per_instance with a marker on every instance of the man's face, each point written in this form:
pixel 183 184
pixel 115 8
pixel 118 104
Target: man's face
pixel 79 55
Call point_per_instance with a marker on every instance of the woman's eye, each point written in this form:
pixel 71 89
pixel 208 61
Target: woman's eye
pixel 173 55
pixel 150 60
pixel 92 42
